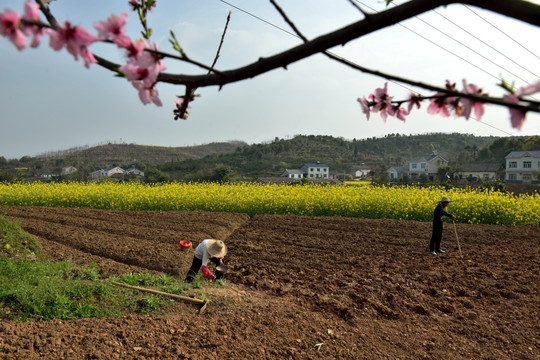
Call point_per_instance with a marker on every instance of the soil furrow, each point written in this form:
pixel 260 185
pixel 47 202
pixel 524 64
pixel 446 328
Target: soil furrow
pixel 300 288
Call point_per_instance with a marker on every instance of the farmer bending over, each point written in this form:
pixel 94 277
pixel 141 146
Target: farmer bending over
pixel 209 249
pixel 436 236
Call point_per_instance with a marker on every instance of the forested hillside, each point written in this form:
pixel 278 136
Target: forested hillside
pixel 273 158
pixel 240 161
pixel 398 149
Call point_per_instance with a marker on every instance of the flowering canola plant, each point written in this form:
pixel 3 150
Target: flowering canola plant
pixel 396 202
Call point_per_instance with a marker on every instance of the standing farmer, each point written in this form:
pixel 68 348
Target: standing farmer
pixel 208 250
pixel 436 236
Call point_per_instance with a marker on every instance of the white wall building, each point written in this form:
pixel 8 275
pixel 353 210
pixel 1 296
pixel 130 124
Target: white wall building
pixel 293 174
pixel 522 166
pixel 312 171
pixel 428 165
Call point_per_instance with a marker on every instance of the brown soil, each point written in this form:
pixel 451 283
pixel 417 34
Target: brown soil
pixel 297 288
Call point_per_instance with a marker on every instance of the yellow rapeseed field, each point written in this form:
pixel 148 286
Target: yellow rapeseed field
pixel 396 202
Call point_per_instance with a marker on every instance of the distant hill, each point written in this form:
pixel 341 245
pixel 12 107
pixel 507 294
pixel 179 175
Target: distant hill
pixel 239 161
pixel 398 149
pixel 272 158
pixel 126 154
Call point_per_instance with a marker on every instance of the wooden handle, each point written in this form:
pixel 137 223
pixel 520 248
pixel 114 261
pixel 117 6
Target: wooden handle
pixel 174 296
pixel 457 239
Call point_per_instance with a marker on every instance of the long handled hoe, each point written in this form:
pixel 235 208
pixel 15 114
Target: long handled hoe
pixel 457 239
pixel 203 303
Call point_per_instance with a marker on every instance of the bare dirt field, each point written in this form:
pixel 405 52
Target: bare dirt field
pixel 299 288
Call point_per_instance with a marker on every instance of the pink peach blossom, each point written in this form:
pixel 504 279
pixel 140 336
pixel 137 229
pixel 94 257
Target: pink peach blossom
pixel 365 106
pixel 439 105
pixel 114 28
pixel 135 48
pixel 142 69
pixel 382 101
pixel 517 117
pixel 9 27
pixel 179 102
pixel 469 104
pixel 145 66
pixel 398 112
pixel 414 99
pixel 528 90
pixel 31 13
pixel 76 39
pixel 147 95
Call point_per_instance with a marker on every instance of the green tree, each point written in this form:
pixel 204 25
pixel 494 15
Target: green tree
pixel 380 174
pixel 532 143
pixel 6 177
pixel 153 176
pixel 405 179
pixel 221 173
pixel 442 172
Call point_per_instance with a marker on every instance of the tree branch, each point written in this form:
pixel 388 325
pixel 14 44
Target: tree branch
pixel 181 112
pixel 184 58
pixel 517 9
pixel 44 8
pixel 220 43
pixel 534 106
pixel 288 21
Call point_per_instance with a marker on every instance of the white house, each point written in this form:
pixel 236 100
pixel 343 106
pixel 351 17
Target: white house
pixel 428 165
pixel 96 175
pixel 66 170
pixel 113 172
pixel 133 172
pixel 315 171
pixel 522 166
pixel 396 172
pixel 359 171
pixel 293 174
pixel 473 172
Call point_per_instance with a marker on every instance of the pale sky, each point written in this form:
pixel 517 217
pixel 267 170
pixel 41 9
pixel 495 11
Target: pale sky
pixel 50 102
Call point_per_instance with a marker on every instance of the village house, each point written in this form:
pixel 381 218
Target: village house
pixel 318 170
pixel 359 171
pixel 396 172
pixel 96 175
pixel 133 173
pixel 473 172
pixel 66 170
pixel 421 165
pixel 113 172
pixel 276 180
pixel 293 174
pixel 280 180
pixel 522 166
pixel 428 165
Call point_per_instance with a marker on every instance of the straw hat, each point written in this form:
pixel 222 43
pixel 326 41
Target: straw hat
pixel 216 248
pixel 445 199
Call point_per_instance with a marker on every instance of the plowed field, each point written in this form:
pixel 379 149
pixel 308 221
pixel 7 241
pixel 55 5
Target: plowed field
pixel 299 288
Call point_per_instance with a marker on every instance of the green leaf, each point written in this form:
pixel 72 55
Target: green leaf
pixel 506 86
pixel 175 44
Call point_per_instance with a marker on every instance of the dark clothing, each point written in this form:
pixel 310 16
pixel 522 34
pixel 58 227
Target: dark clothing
pixel 196 266
pixel 439 212
pixel 436 235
